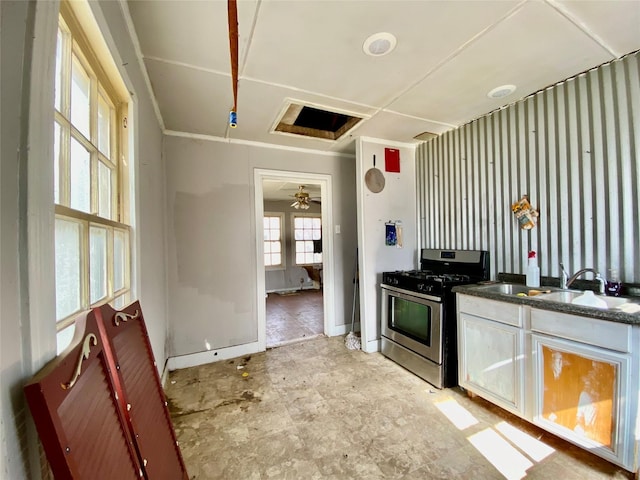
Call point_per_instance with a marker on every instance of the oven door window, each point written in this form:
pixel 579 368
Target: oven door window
pixel 411 319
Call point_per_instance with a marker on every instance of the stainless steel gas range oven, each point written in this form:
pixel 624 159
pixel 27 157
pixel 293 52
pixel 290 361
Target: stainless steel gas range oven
pixel 419 312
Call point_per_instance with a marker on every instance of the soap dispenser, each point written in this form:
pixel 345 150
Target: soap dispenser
pixel 533 271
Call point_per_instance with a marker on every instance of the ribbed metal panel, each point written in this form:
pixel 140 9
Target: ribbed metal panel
pixel 573 148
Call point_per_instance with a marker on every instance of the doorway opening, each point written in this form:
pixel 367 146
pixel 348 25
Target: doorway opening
pixel 294 248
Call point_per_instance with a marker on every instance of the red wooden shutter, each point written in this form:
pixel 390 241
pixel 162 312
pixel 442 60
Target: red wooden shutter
pixel 99 407
pixel 73 403
pixel 143 397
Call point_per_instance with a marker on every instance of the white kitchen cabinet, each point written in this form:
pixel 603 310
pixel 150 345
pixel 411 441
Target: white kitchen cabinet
pixel 576 377
pixel 582 382
pixel 490 346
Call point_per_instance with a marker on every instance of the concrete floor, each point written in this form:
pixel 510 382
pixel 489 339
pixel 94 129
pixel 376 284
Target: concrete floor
pixel 294 316
pixel 315 410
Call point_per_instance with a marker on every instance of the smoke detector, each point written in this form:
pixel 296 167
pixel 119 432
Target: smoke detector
pixel 501 91
pixel 379 44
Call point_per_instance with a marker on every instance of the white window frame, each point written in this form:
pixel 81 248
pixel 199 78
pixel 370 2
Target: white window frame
pixel 317 215
pixel 102 86
pixel 283 262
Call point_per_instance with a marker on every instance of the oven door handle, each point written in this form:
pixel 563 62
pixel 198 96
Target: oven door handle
pixel 409 293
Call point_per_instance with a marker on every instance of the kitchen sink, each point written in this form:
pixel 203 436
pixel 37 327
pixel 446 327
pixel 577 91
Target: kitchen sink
pixel 553 294
pixel 506 288
pixel 568 296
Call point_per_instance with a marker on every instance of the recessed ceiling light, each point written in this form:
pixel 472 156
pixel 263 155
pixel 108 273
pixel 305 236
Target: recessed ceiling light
pixel 501 91
pixel 379 44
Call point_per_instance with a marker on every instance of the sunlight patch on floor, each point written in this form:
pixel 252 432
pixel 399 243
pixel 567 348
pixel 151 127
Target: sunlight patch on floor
pixel 457 414
pixel 502 455
pixel 511 451
pixel 534 448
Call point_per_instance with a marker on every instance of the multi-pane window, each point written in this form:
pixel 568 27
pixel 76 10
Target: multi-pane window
pixel 92 237
pixel 307 233
pixel 273 239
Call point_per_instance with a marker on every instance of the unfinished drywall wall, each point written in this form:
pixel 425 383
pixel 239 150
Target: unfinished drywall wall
pixel 211 224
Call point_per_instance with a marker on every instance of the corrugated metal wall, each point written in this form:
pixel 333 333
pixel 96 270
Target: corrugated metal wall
pixel 573 148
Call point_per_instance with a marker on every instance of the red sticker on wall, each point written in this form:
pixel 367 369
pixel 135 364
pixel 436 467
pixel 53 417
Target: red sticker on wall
pixel 392 160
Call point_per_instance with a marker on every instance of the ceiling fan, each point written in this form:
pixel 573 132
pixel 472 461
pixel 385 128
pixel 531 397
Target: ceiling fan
pixel 302 199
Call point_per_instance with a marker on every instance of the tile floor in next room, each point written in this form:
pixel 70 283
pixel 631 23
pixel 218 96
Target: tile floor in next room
pixel 315 410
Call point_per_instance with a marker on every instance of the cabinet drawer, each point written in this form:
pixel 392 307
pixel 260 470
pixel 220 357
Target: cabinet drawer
pixel 502 312
pixel 600 333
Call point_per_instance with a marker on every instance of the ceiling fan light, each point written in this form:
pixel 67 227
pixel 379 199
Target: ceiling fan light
pixel 302 199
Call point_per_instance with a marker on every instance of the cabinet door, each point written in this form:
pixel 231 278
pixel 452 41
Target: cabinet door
pixel 582 394
pixel 491 361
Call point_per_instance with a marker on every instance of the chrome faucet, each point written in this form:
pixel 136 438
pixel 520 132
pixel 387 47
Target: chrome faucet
pixel 566 280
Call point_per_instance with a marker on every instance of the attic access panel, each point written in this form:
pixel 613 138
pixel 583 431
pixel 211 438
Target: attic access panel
pixel 310 117
pixel 315 122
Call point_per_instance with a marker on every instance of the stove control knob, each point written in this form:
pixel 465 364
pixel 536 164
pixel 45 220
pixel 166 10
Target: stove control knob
pixel 425 288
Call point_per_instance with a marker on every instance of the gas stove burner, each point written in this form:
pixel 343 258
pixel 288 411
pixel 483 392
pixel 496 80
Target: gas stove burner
pixel 428 275
pixel 440 271
pixel 452 277
pixel 419 274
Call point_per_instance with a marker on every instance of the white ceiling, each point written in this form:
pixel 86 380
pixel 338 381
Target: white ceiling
pixel 449 55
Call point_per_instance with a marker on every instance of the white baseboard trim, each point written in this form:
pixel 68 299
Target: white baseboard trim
pixel 210 356
pixel 371 346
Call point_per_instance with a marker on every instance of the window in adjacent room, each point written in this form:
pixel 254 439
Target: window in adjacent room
pixel 307 233
pixel 92 232
pixel 273 223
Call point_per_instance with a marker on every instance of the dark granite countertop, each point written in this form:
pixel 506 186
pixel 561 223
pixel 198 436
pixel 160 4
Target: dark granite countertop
pixel 612 315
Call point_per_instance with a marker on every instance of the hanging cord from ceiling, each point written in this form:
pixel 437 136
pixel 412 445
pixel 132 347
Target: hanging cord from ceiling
pixel 232 9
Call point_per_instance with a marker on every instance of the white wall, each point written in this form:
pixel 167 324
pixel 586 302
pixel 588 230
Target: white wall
pixel 397 201
pixel 27 313
pixel 212 247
